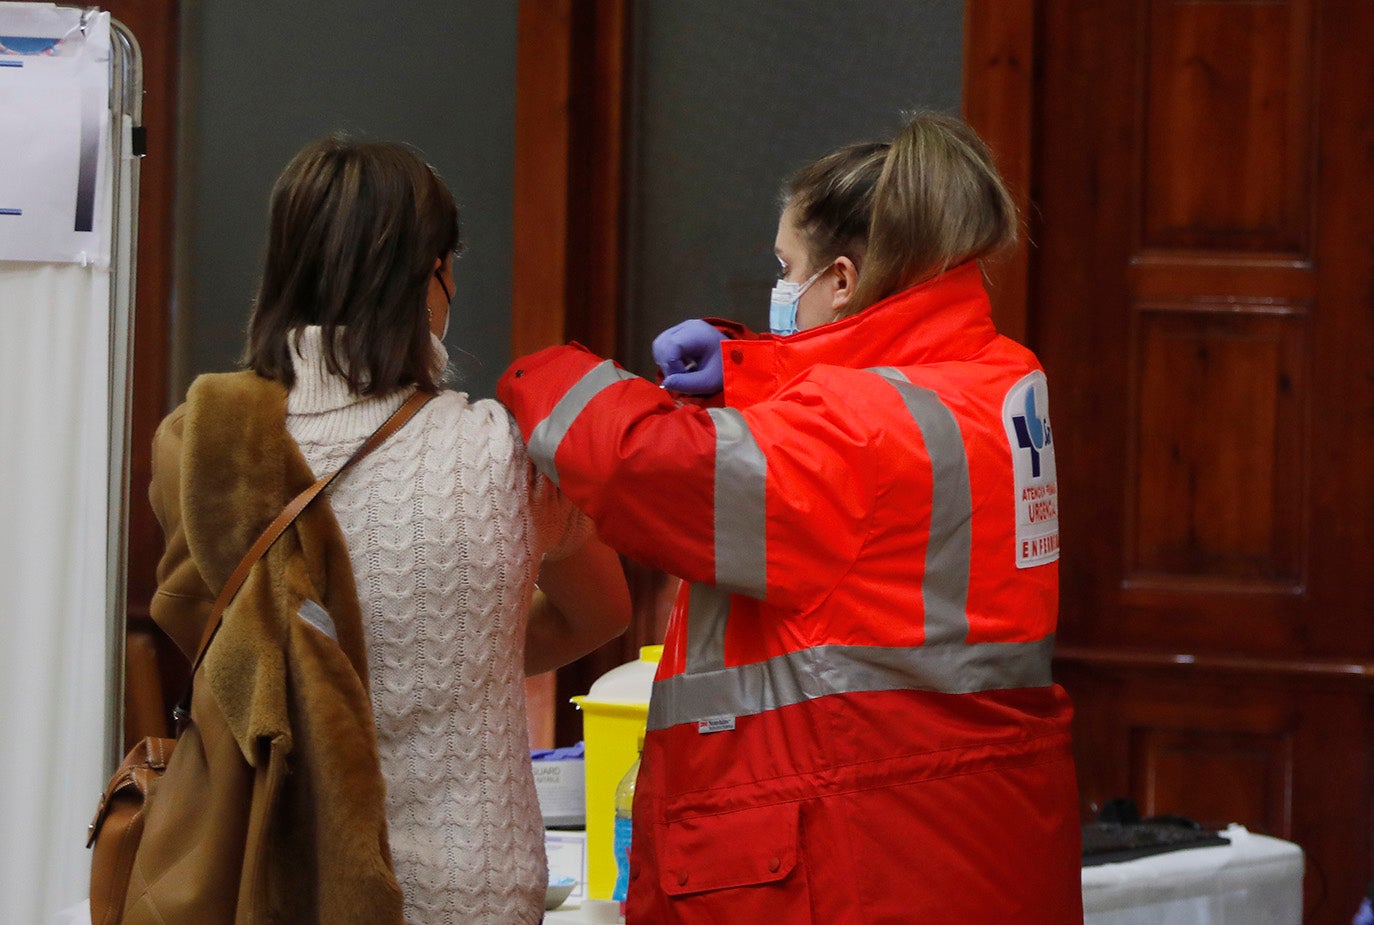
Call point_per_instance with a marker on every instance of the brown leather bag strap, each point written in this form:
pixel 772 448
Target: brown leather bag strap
pixel 293 510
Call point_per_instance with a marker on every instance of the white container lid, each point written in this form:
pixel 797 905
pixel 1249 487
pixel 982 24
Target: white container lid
pixel 629 683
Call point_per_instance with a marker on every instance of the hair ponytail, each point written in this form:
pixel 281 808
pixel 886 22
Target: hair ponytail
pixel 938 202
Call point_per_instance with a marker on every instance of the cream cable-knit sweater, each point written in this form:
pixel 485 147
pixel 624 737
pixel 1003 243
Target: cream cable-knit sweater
pixel 446 524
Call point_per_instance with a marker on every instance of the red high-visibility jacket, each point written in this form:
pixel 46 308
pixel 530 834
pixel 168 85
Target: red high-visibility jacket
pixel 853 720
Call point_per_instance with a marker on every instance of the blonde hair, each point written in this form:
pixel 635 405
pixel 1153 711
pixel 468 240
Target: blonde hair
pixel 937 201
pixel 830 201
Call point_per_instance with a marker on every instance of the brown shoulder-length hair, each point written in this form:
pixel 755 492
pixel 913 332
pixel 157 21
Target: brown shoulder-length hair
pixel 354 228
pixel 904 212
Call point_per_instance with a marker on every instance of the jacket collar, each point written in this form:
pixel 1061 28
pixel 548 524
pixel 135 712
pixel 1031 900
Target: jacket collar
pixel 947 318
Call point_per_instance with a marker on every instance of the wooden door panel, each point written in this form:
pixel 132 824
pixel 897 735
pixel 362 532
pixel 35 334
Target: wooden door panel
pixel 1219 400
pixel 1216 777
pixel 1214 753
pixel 1226 112
pixel 1199 617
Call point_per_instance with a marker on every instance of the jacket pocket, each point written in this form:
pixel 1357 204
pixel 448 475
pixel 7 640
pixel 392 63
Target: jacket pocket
pixel 731 851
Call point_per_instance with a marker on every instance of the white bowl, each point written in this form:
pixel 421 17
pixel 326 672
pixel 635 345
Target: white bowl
pixel 558 892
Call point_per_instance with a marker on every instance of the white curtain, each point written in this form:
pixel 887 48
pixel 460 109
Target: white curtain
pixel 64 355
pixel 55 556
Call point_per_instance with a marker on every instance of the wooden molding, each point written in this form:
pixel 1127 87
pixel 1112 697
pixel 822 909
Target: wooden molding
pixel 569 141
pixel 1329 669
pixel 571 66
pixel 596 172
pixel 543 84
pixel 999 96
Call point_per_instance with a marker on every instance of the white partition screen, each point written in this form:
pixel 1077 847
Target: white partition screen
pixel 69 90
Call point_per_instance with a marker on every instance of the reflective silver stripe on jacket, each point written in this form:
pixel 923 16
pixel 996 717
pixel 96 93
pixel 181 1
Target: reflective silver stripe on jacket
pixel 708 610
pixel 945 663
pixel 740 483
pixel 740 541
pixel 785 680
pixel 549 433
pixel 949 548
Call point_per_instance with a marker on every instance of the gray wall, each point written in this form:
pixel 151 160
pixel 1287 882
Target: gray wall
pixel 731 97
pixel 728 97
pixel 263 78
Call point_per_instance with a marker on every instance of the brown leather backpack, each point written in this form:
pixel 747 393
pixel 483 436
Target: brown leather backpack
pixel 116 831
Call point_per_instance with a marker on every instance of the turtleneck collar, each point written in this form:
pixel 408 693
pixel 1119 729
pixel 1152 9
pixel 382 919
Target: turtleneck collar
pixel 318 391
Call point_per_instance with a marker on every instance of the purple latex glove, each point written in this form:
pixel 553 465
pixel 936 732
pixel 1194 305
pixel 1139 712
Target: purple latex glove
pixel 689 355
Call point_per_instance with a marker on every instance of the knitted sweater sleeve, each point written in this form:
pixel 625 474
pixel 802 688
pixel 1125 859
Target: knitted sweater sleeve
pixel 560 528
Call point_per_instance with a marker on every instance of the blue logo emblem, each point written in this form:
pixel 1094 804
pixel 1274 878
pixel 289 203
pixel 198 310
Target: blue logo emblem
pixel 1032 432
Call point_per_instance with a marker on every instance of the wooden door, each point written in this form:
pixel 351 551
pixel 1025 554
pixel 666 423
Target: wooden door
pixel 1201 291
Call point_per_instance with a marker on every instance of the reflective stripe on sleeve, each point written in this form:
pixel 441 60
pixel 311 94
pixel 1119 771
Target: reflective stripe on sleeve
pixel 708 609
pixel 740 483
pixel 739 522
pixel 797 677
pixel 949 548
pixel 549 433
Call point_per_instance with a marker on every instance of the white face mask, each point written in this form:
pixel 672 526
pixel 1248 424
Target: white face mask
pixel 782 305
pixel 437 340
pixel 448 298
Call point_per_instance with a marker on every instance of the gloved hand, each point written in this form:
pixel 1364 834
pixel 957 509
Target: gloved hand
pixel 689 355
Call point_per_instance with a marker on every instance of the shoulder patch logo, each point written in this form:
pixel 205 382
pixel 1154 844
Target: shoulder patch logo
pixel 1026 415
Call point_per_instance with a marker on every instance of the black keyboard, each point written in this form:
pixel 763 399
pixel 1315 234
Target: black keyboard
pixel 1111 842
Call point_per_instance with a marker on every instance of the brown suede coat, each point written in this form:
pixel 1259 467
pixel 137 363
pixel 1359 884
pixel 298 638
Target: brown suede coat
pixel 273 805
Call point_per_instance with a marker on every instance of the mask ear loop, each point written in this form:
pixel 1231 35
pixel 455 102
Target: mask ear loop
pixel 814 276
pixel 448 296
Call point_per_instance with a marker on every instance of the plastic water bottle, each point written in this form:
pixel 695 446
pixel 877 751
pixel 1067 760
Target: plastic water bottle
pixel 624 807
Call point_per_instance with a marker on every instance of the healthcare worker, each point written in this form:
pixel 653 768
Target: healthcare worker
pixel 854 719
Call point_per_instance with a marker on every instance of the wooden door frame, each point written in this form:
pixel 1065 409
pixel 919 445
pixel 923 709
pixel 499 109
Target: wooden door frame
pixel 569 135
pixel 1000 46
pixel 571 80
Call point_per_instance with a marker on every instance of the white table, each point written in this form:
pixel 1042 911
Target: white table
pixel 574 914
pixel 1256 880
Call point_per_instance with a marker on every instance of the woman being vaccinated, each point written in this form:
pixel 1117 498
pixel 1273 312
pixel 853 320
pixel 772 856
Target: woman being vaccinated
pixel 854 719
pixel 387 727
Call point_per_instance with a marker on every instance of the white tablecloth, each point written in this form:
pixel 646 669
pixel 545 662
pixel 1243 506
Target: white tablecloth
pixel 1256 880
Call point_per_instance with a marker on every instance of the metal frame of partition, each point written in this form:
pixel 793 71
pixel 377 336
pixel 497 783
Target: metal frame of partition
pixel 126 116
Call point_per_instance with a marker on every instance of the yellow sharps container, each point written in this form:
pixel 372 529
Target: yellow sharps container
pixel 614 713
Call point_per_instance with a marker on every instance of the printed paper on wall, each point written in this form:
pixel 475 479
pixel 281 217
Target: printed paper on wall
pixel 54 131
